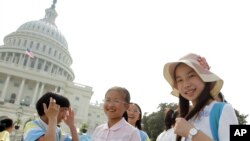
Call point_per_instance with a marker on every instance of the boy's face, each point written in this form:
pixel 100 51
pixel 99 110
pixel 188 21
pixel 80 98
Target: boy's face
pixel 63 112
pixel 115 105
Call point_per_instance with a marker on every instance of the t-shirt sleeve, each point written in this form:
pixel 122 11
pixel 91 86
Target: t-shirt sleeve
pixel 135 136
pixel 4 136
pixel 32 132
pixel 228 117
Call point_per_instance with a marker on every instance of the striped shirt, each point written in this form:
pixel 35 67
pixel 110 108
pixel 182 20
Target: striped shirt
pixel 37 128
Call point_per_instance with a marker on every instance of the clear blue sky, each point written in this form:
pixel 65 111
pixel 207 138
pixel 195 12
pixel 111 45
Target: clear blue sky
pixel 127 43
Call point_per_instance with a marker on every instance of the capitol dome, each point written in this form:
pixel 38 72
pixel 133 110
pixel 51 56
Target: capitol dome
pixel 46 27
pixel 47 44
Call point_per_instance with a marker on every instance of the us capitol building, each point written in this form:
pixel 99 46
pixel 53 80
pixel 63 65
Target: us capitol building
pixel 24 79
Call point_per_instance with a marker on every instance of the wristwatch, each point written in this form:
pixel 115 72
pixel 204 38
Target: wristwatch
pixel 192 132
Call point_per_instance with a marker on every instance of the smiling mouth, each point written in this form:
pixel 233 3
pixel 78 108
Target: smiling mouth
pixel 191 91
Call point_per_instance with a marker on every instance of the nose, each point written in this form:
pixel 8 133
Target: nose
pixel 186 84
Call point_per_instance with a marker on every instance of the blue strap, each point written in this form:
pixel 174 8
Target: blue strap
pixel 214 119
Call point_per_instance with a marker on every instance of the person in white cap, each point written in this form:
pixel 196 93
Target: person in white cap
pixel 193 82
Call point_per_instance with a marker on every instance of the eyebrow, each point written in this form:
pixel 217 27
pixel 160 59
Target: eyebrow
pixel 189 72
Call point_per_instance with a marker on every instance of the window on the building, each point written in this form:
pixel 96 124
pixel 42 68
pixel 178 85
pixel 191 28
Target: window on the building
pixel 40 63
pixel 14 42
pixel 26 101
pixel 32 63
pixel 16 84
pixel 30 87
pixel 25 61
pixel 25 42
pixel 12 98
pixel 2 55
pixel 55 53
pixel 31 44
pixel 44 48
pixel 19 42
pixel 37 46
pixel 77 98
pixel 49 50
pixel 46 67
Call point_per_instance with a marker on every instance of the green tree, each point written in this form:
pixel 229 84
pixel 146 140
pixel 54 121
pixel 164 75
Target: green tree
pixel 153 124
pixel 83 128
pixel 241 117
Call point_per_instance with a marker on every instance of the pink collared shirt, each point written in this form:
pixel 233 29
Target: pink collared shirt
pixel 121 131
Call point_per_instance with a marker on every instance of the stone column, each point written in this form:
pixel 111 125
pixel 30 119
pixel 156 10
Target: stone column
pixel 41 90
pixel 17 101
pixel 32 104
pixel 6 84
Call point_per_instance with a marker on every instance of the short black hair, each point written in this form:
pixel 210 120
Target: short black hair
pixel 5 124
pixel 60 100
pixel 169 118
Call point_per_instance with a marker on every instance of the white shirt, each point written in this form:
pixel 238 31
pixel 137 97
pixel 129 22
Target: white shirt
pixel 227 118
pixel 168 135
pixel 121 131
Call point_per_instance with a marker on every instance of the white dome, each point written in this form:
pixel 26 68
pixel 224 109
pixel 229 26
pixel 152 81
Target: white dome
pixel 45 28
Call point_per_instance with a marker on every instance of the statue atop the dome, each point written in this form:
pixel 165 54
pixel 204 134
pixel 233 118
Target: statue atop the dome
pixel 54 4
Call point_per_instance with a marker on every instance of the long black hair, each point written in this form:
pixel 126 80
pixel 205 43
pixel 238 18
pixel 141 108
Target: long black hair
pixel 138 122
pixel 202 101
pixel 169 118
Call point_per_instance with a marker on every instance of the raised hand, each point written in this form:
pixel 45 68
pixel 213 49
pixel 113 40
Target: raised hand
pixel 203 62
pixel 52 110
pixel 69 118
pixel 182 127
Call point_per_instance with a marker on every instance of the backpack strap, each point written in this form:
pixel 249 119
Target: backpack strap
pixel 214 118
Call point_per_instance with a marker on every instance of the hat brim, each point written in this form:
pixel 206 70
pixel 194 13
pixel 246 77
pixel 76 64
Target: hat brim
pixel 205 75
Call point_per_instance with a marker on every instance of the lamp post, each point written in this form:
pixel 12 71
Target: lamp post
pixel 19 114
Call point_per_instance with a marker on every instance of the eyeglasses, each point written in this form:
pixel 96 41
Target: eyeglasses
pixel 114 101
pixel 134 111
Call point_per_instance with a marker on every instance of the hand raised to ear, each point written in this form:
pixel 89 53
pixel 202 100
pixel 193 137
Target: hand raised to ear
pixel 203 62
pixel 69 118
pixel 53 109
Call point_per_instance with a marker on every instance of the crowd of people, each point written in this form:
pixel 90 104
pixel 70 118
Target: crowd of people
pixel 197 88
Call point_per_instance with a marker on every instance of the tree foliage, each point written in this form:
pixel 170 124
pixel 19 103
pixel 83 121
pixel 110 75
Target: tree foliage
pixel 83 128
pixel 241 117
pixel 153 124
